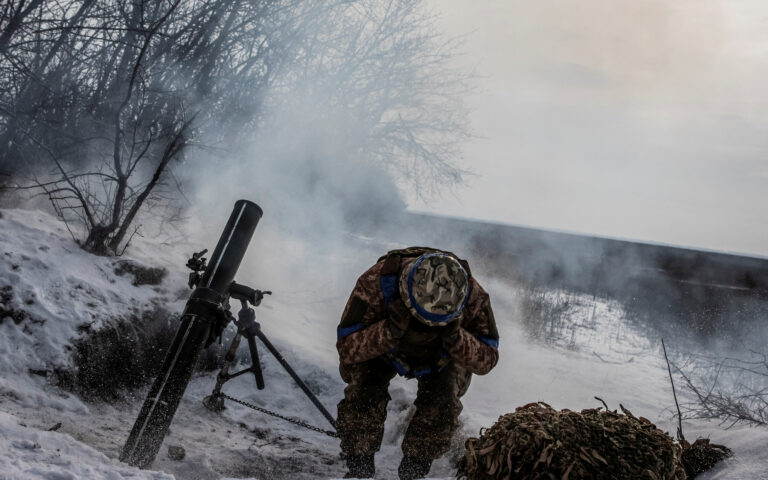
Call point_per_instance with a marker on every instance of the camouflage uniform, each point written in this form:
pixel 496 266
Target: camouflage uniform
pixel 370 357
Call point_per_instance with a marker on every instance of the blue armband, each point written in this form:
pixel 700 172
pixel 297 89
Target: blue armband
pixel 491 342
pixel 342 332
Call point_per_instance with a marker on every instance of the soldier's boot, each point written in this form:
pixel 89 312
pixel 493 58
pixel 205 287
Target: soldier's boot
pixel 360 466
pixel 412 468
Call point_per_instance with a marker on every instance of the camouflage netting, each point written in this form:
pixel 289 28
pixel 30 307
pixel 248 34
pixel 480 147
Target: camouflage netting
pixel 538 442
pixel 701 456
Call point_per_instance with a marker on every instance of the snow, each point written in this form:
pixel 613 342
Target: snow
pixel 61 288
pixel 33 453
pixel 604 356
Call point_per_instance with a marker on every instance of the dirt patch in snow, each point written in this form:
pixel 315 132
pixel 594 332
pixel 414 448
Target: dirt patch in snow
pixel 123 355
pixel 6 306
pixel 142 274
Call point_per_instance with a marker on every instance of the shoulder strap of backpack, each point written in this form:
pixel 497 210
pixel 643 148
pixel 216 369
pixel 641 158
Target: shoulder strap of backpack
pixel 390 271
pixel 389 275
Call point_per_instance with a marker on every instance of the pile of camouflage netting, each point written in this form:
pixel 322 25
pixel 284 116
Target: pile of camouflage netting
pixel 701 455
pixel 538 442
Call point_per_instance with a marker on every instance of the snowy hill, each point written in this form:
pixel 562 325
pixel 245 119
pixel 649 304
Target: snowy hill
pixel 54 290
pixel 53 293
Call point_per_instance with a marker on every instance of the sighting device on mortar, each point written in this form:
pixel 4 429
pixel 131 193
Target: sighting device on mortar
pixel 205 316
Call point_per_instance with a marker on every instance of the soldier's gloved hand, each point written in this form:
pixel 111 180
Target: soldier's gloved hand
pixel 398 319
pixel 450 333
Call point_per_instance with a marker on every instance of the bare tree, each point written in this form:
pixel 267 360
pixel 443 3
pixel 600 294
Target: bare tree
pixel 731 390
pixel 12 17
pixel 385 67
pixel 140 128
pixel 101 99
pixel 111 102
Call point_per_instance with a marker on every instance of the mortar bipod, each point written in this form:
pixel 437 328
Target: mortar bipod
pixel 248 327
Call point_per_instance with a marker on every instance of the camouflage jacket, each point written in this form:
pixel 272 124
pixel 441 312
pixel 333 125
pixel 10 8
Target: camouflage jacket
pixel 364 334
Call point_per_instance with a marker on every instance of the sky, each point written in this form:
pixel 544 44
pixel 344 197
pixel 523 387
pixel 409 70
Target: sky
pixel 636 119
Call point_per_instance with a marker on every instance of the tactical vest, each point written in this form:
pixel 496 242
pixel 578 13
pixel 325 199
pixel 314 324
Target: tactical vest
pixel 420 351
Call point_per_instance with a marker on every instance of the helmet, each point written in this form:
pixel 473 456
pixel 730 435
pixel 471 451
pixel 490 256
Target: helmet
pixel 435 288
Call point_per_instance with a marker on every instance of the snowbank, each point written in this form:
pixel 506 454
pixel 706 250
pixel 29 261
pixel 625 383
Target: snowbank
pixel 61 290
pixel 27 453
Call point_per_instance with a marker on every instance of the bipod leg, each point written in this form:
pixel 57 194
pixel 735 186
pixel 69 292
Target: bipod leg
pixel 294 375
pixel 214 401
pixel 255 364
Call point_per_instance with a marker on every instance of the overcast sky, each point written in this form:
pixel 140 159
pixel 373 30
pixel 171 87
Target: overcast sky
pixel 639 119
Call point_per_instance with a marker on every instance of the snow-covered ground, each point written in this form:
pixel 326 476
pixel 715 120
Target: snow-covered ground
pixel 61 288
pixel 30 452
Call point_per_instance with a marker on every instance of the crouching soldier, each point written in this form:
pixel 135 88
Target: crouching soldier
pixel 417 313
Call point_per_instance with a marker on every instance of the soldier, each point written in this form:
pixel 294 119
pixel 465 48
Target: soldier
pixel 419 313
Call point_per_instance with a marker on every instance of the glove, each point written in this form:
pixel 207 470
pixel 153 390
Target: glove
pixel 398 319
pixel 450 333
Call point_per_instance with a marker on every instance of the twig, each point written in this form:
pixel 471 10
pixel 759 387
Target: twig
pixel 680 436
pixel 611 362
pixel 125 247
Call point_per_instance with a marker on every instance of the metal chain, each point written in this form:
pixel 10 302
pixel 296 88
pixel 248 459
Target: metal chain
pixel 274 414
